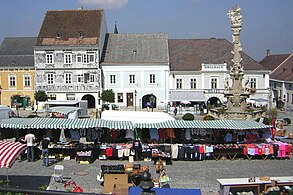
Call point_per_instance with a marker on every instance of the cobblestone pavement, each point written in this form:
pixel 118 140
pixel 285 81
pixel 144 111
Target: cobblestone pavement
pixel 183 174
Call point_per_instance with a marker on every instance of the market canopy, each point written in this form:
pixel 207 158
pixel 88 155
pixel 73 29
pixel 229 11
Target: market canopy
pixel 9 152
pixel 58 123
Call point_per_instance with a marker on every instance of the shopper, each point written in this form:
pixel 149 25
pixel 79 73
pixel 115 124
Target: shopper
pixel 45 150
pixel 30 142
pixel 273 188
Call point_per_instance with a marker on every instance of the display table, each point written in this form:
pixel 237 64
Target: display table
pixel 229 153
pixel 235 185
pixel 84 156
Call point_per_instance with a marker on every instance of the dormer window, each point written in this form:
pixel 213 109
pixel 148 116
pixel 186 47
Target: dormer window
pixel 58 35
pixel 80 35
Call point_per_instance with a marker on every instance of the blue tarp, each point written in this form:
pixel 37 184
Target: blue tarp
pixel 166 191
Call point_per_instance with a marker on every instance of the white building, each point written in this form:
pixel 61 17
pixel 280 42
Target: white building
pixel 68 53
pixel 136 68
pixel 281 78
pixel 199 69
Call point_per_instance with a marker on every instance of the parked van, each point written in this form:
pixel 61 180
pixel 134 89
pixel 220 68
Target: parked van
pixel 6 112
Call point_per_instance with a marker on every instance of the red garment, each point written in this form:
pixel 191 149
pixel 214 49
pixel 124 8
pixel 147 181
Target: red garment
pixel 273 132
pixel 109 152
pixel 114 134
pixel 162 134
pixel 201 149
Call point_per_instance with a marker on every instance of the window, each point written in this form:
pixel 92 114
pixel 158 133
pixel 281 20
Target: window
pixel 92 78
pixel 80 78
pixel 70 96
pixel 275 85
pixel 292 99
pixel 67 58
pixel 68 78
pixel 152 78
pixel 253 83
pixel 79 58
pixel 89 58
pixel 86 78
pixel 50 78
pixel 52 97
pixel 120 97
pixel 192 83
pixel 178 83
pixel 27 80
pixel 214 83
pixel 132 79
pixel 112 79
pixel 287 98
pixel 49 58
pixel 12 81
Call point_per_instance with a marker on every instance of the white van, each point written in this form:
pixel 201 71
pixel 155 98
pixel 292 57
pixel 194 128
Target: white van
pixel 6 112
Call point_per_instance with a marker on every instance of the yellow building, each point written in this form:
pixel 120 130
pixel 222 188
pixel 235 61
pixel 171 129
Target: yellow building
pixel 17 72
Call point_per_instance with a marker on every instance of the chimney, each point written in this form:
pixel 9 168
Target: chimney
pixel 268 52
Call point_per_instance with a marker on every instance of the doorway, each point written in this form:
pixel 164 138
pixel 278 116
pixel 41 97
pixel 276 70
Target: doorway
pixel 129 99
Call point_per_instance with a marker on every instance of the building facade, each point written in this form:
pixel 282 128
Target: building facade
pixel 68 54
pixel 136 68
pixel 17 72
pixel 199 72
pixel 281 78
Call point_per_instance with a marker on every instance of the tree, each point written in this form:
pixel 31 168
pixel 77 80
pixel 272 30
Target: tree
pixel 107 95
pixel 40 96
pixel 188 117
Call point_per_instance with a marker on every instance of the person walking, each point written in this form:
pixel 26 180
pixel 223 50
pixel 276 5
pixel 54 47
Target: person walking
pixel 45 150
pixel 30 142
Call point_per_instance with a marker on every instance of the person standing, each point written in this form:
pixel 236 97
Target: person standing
pixel 45 150
pixel 30 142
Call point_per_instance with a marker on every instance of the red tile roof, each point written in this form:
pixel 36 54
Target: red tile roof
pixel 271 62
pixel 283 66
pixel 70 25
pixel 190 54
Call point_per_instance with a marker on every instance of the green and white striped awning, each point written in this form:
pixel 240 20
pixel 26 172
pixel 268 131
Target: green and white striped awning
pixel 58 123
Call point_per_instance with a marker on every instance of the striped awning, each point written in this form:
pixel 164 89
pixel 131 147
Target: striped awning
pixel 58 123
pixel 9 152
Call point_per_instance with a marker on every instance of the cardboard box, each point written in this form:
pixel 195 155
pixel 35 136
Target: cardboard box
pixel 121 189
pixel 111 180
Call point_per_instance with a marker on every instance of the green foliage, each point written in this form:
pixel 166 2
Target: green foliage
pixel 272 113
pixel 4 182
pixel 43 187
pixel 287 120
pixel 40 96
pixel 208 117
pixel 266 120
pixel 188 117
pixel 107 95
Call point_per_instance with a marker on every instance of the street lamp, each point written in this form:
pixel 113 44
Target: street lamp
pixel 152 100
pixel 0 94
pixel 135 94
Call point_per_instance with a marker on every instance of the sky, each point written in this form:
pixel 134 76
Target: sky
pixel 267 24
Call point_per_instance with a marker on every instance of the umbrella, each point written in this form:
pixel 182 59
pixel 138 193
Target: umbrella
pixel 62 137
pixel 185 102
pixel 9 152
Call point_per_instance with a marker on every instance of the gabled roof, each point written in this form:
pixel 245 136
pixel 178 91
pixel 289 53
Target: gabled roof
pixel 136 48
pixel 71 27
pixel 190 54
pixel 281 66
pixel 273 61
pixel 17 51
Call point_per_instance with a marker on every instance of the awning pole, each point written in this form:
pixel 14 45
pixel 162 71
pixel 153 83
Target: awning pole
pixel 7 176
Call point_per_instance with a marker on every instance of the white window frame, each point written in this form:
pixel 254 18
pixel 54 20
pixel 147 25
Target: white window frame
pixel 120 97
pixel 92 78
pixel 67 58
pixel 112 79
pixel 50 78
pixel 152 78
pixel 12 80
pixel 253 83
pixel 49 58
pixel 79 58
pixel 27 80
pixel 67 78
pixel 80 78
pixel 132 79
pixel 89 57
pixel 193 83
pixel 179 83
pixel 214 82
